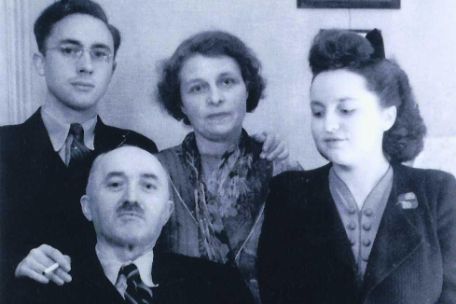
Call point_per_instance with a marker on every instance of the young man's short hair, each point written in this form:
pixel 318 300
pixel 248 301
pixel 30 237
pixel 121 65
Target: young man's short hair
pixel 61 9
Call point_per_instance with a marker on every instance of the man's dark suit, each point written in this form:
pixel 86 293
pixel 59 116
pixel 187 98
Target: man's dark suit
pixel 305 256
pixel 180 279
pixel 40 195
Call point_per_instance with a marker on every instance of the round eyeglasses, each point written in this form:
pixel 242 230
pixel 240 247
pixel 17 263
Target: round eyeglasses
pixel 74 52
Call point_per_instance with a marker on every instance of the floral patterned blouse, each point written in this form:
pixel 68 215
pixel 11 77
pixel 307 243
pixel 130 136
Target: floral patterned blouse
pixel 218 217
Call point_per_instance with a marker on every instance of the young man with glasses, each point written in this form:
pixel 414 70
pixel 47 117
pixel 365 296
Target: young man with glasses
pixel 45 160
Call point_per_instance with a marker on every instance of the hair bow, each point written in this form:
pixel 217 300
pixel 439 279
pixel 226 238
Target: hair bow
pixel 376 40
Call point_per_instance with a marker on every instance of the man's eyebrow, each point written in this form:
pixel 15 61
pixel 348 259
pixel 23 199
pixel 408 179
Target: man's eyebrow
pixel 114 174
pixel 76 42
pixel 70 41
pixel 345 99
pixel 100 46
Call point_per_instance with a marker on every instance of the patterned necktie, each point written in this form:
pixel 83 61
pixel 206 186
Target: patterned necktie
pixel 78 150
pixel 137 292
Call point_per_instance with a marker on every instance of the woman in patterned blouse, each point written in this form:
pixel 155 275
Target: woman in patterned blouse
pixel 219 173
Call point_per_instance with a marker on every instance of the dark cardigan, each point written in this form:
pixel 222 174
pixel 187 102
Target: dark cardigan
pixel 304 254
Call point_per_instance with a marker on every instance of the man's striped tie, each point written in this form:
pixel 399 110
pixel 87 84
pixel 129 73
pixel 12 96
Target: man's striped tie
pixel 137 292
pixel 78 150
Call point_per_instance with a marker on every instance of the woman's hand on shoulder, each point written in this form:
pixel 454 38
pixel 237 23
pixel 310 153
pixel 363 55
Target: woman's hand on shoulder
pixel 274 148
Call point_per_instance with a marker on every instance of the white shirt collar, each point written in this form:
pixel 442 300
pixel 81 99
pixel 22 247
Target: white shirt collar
pixel 111 266
pixel 58 129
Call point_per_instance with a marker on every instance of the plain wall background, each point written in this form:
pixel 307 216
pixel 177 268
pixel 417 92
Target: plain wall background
pixel 421 36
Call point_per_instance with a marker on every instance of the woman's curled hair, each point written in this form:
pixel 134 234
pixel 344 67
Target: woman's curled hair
pixel 211 44
pixel 343 49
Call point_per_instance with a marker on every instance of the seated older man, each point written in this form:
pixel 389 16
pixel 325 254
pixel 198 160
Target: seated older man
pixel 127 200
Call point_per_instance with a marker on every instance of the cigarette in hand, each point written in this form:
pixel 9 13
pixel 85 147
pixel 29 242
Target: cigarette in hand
pixel 51 268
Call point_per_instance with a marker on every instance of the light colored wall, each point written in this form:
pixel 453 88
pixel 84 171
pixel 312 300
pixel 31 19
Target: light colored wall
pixel 421 36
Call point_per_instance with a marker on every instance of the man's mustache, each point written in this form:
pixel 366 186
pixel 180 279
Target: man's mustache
pixel 128 206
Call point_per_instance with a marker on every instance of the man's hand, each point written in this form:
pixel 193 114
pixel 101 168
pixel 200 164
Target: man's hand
pixel 274 149
pixel 40 258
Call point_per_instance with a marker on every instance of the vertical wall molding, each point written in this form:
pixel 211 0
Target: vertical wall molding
pixel 18 52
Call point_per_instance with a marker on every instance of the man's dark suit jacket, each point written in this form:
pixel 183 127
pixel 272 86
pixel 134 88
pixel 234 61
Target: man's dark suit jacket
pixel 180 279
pixel 39 195
pixel 305 255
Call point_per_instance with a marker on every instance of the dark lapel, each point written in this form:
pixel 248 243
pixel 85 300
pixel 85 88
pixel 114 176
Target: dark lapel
pixel 36 142
pixel 168 272
pixel 330 231
pixel 107 138
pixel 397 238
pixel 90 285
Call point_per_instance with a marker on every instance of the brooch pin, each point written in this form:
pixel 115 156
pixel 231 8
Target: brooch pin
pixel 407 200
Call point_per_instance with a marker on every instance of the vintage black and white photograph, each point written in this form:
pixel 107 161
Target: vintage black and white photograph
pixel 227 152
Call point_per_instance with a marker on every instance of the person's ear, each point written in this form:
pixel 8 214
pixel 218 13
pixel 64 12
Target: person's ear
pixel 85 201
pixel 38 62
pixel 168 211
pixel 390 115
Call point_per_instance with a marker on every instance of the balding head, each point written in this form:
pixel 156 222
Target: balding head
pixel 127 197
pixel 119 155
